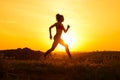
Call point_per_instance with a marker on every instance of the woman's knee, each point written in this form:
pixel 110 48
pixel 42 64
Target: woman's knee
pixel 66 45
pixel 52 49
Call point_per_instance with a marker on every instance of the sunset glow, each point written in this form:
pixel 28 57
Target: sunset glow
pixel 94 24
pixel 70 40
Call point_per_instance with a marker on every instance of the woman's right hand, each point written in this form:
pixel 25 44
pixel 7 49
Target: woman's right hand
pixel 51 37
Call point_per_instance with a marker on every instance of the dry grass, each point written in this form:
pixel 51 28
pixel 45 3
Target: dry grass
pixel 86 66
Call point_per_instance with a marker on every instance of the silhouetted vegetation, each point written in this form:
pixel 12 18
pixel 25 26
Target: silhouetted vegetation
pixel 27 64
pixel 21 54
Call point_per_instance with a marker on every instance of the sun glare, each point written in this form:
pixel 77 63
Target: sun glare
pixel 70 40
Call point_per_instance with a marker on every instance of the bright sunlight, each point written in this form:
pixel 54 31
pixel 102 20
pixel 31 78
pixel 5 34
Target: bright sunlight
pixel 70 39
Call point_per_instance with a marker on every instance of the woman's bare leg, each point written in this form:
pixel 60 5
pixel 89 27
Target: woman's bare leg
pixel 55 43
pixel 66 47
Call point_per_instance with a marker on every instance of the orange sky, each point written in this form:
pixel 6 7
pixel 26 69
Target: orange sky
pixel 95 24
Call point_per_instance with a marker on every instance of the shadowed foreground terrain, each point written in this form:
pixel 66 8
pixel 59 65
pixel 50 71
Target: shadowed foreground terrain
pixel 26 64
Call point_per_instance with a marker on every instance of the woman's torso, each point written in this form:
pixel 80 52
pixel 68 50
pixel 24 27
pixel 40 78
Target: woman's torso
pixel 59 28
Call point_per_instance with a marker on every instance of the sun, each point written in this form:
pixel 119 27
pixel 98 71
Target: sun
pixel 68 39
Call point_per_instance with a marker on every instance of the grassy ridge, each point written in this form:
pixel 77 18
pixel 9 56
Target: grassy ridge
pixel 83 66
pixel 59 69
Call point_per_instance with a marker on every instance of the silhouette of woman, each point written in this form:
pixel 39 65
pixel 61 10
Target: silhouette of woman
pixel 57 38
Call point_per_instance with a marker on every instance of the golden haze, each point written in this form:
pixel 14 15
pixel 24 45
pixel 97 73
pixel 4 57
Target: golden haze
pixel 95 24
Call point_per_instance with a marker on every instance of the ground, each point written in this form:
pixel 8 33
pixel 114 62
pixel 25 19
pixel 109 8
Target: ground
pixel 83 66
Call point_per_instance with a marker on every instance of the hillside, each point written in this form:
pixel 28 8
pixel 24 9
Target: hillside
pixel 27 64
pixel 21 54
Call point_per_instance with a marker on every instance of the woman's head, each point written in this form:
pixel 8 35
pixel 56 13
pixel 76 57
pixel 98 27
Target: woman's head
pixel 59 18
